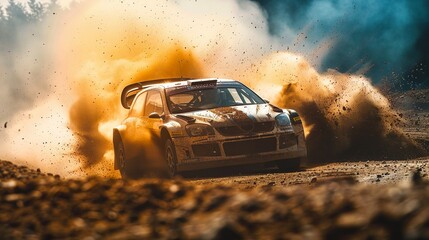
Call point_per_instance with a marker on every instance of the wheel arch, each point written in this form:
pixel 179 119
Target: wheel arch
pixel 164 135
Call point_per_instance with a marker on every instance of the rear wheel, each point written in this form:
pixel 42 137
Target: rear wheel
pixel 120 157
pixel 127 168
pixel 170 158
pixel 289 165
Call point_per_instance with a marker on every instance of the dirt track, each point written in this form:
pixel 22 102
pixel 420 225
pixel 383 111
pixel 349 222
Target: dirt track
pixel 379 172
pixel 324 202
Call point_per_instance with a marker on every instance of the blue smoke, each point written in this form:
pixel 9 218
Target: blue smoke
pixel 392 37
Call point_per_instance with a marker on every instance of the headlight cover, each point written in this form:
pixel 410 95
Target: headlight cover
pixel 294 117
pixel 283 120
pixel 196 129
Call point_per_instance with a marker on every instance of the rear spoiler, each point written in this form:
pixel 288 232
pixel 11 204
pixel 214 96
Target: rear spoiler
pixel 130 91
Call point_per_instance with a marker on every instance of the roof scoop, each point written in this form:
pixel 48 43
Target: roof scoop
pixel 202 83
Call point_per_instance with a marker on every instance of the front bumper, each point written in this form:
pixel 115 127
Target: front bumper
pixel 254 149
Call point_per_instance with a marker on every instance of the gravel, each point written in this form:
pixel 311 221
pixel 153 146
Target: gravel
pixel 34 205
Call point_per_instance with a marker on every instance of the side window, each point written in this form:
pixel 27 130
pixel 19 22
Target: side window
pixel 137 108
pixel 153 103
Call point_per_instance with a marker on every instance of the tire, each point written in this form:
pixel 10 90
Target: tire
pixel 170 158
pixel 127 168
pixel 120 157
pixel 289 165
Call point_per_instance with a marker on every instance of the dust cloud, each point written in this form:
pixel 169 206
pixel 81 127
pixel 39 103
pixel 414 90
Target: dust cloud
pixel 34 92
pixel 101 46
pixel 115 44
pixel 345 117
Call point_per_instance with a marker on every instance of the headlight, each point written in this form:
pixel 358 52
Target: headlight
pixel 294 117
pixel 282 120
pixel 199 130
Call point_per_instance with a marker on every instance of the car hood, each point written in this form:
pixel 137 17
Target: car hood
pixel 224 116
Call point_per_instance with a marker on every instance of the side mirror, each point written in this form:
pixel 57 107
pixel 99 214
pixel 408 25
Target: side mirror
pixel 154 115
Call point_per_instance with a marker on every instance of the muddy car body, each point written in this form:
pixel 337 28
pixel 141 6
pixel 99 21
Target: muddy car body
pixel 203 123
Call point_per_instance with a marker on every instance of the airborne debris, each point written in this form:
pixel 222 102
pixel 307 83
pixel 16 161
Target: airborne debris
pixel 417 176
pixel 5 125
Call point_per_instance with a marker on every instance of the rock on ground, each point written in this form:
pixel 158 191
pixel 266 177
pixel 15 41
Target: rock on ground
pixel 34 205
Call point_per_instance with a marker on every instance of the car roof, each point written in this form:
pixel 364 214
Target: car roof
pixel 130 91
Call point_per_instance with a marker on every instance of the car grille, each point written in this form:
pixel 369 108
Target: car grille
pixel 229 131
pixel 257 127
pixel 250 146
pixel 206 150
pixel 287 140
pixel 263 127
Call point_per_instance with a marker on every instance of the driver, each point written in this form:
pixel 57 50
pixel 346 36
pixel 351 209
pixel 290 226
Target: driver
pixel 209 97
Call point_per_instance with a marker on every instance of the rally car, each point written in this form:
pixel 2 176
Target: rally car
pixel 201 124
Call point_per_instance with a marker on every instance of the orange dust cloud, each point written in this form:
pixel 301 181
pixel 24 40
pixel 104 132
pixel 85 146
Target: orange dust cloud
pixel 101 46
pixel 343 114
pixel 106 45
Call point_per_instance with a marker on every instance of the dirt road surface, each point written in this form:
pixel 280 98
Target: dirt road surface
pixel 378 200
pixel 377 172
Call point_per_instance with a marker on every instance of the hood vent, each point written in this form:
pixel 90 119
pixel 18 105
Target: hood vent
pixel 186 118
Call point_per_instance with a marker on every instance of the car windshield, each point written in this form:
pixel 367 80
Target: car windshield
pixel 188 100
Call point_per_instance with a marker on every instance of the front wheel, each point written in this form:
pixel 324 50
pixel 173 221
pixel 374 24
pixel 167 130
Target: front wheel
pixel 289 165
pixel 170 158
